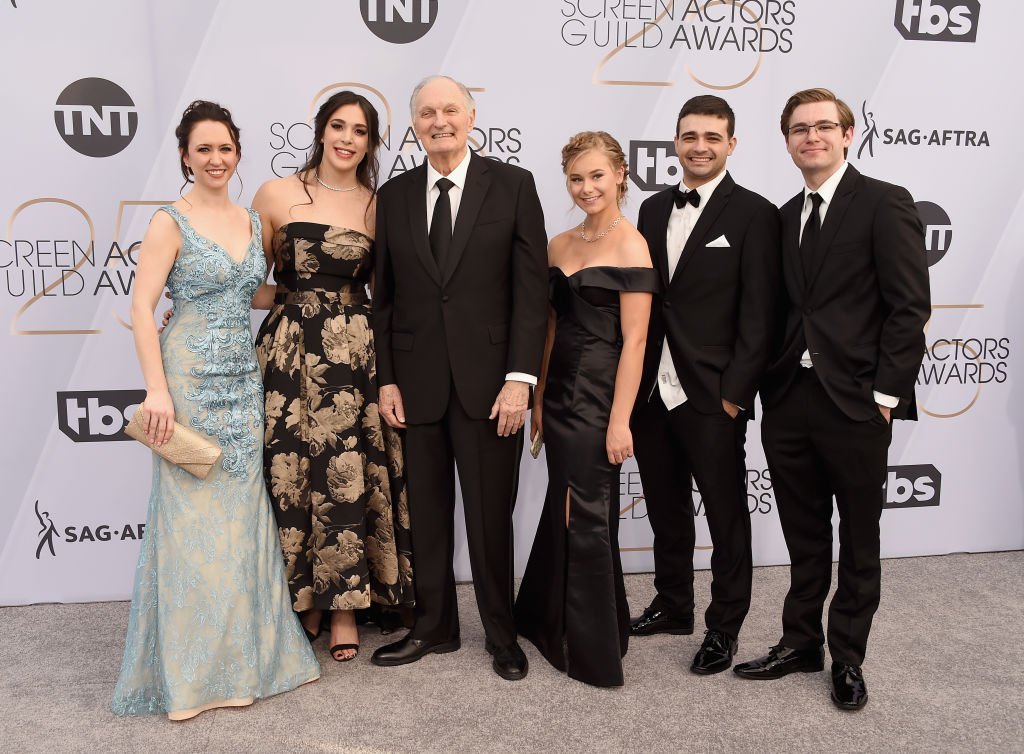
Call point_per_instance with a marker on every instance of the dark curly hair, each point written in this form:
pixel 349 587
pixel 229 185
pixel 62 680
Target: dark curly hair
pixel 197 112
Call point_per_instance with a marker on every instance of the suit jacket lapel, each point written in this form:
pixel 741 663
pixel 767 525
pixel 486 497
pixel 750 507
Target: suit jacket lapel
pixel 478 180
pixel 833 219
pixel 792 264
pixel 716 203
pixel 416 202
pixel 658 235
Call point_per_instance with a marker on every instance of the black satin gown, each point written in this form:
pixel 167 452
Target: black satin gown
pixel 572 602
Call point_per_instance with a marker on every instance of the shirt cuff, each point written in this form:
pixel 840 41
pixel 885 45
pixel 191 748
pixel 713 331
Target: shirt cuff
pixel 529 379
pixel 882 399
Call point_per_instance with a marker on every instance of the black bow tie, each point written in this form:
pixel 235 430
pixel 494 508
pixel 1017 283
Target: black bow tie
pixel 682 197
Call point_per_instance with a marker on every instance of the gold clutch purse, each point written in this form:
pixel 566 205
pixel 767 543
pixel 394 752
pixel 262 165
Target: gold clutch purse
pixel 192 451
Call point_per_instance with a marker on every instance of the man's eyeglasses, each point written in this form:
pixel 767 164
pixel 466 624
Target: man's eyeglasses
pixel 823 127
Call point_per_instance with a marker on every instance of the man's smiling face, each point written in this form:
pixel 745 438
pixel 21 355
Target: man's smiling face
pixel 443 120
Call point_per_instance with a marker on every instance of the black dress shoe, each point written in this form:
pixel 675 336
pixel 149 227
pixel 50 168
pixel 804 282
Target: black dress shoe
pixel 849 692
pixel 509 662
pixel 782 661
pixel 409 650
pixel 654 621
pixel 715 653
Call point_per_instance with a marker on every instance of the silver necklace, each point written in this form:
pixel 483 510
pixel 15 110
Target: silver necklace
pixel 332 188
pixel 602 234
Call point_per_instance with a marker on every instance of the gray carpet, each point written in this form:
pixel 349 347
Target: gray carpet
pixel 945 672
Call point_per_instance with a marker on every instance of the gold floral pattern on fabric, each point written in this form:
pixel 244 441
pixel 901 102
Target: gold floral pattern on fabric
pixel 334 469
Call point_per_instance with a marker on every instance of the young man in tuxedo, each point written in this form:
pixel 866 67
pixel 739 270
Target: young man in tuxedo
pixel 460 315
pixel 716 246
pixel 854 269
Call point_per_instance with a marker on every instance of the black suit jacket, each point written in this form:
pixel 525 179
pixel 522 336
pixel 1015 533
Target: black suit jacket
pixel 863 308
pixel 719 312
pixel 484 315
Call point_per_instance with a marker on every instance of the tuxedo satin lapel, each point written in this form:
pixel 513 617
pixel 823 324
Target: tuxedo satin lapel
pixel 478 180
pixel 659 235
pixel 845 192
pixel 416 201
pixel 698 236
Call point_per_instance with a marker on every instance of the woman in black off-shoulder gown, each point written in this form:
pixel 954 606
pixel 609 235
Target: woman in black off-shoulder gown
pixel 572 602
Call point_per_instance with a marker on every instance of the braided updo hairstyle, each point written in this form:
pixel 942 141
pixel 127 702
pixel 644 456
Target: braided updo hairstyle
pixel 197 112
pixel 584 141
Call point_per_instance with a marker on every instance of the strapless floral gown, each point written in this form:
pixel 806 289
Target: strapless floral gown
pixel 334 469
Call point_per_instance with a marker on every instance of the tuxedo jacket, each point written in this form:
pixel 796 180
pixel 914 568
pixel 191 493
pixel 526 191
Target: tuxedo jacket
pixel 862 308
pixel 481 317
pixel 719 311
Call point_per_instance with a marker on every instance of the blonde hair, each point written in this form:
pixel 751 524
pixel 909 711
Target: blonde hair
pixel 584 141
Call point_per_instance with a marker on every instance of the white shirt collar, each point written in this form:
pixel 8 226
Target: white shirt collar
pixel 828 189
pixel 457 176
pixel 706 190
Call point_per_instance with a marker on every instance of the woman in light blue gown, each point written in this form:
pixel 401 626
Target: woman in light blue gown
pixel 211 623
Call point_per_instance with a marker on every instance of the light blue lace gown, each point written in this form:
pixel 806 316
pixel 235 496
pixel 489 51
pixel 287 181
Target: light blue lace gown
pixel 211 617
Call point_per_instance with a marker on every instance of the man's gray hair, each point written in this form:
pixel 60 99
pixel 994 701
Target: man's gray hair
pixel 470 102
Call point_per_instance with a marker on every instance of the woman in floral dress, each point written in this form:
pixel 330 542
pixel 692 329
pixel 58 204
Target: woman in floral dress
pixel 333 468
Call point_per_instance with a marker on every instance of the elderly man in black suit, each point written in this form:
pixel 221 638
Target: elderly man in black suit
pixel 855 272
pixel 460 313
pixel 716 246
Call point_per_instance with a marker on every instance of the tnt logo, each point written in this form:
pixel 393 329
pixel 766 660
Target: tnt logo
pixel 938 231
pixel 97 416
pixel 399 21
pixel 96 117
pixel 911 487
pixel 653 165
pixel 938 20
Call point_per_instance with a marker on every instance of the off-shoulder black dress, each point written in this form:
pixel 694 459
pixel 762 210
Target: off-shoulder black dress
pixel 572 602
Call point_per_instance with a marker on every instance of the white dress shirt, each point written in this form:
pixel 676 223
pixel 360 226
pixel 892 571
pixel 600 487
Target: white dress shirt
pixel 827 191
pixel 680 225
pixel 458 177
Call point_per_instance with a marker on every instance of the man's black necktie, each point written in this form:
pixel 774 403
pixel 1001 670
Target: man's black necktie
pixel 809 239
pixel 682 197
pixel 441 224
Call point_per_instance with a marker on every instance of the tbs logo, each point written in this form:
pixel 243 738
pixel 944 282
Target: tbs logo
pixel 97 416
pixel 911 486
pixel 653 165
pixel 938 20
pixel 398 21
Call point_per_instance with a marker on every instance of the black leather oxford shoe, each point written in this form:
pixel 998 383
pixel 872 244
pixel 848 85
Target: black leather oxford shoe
pixel 715 653
pixel 654 621
pixel 407 650
pixel 782 661
pixel 509 662
pixel 849 692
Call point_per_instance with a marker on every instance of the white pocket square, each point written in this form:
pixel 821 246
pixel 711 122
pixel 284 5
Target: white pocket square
pixel 718 243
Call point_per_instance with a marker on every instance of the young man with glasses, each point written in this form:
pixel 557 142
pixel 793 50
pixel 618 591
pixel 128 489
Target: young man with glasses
pixel 854 268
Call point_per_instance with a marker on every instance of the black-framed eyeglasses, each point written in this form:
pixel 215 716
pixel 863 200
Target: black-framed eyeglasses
pixel 823 127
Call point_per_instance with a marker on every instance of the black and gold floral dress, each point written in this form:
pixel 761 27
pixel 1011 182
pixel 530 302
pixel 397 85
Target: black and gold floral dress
pixel 333 467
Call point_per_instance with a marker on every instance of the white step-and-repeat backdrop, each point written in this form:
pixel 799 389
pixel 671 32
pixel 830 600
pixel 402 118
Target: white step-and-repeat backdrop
pixel 91 93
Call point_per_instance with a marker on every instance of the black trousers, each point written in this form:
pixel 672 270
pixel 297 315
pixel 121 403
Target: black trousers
pixel 488 468
pixel 671 446
pixel 815 452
